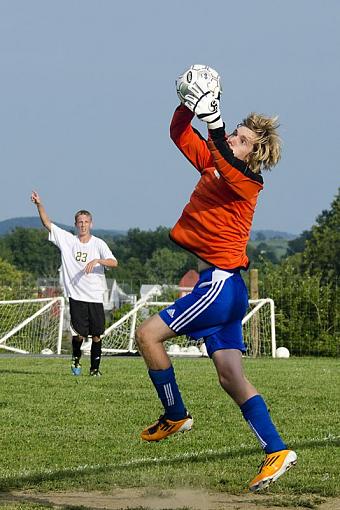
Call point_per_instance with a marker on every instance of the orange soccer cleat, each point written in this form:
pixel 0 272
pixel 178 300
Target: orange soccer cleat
pixel 164 427
pixel 274 465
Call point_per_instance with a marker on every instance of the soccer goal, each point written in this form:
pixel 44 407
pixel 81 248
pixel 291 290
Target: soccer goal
pixel 32 326
pixel 258 330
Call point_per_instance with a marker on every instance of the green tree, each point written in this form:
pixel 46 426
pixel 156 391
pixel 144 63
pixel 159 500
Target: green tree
pixel 14 284
pixel 321 254
pixel 262 251
pixel 130 272
pixel 141 244
pixel 135 252
pixel 305 288
pixel 260 236
pixel 306 319
pixel 30 251
pixel 166 266
pixel 298 244
pixel 5 251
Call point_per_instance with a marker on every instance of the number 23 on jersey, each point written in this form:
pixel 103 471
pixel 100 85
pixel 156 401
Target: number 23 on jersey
pixel 80 256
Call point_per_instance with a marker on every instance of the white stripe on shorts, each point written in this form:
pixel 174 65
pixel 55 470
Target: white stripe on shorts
pixel 195 309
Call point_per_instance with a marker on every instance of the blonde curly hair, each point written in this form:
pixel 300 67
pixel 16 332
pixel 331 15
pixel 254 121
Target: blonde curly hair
pixel 267 146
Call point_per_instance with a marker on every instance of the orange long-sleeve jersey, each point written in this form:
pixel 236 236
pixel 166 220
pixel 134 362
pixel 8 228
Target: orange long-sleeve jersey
pixel 215 224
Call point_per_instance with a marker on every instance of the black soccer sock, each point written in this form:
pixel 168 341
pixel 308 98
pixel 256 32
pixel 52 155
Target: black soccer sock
pixel 96 353
pixel 76 345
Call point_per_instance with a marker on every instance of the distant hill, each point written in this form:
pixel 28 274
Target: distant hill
pixel 259 235
pixel 7 226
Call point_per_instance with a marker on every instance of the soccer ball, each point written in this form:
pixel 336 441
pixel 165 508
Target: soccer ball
pixel 47 352
pixel 193 350
pixel 174 349
pixel 203 350
pixel 204 76
pixel 282 352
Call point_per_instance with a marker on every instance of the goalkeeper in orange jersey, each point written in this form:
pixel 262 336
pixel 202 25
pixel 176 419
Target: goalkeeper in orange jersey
pixel 215 225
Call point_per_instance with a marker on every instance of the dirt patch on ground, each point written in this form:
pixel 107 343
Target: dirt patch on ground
pixel 157 499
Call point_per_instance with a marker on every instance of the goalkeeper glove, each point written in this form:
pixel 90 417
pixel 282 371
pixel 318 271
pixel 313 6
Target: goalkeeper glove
pixel 191 90
pixel 207 109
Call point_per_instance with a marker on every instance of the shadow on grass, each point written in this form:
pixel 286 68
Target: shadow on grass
pixel 34 479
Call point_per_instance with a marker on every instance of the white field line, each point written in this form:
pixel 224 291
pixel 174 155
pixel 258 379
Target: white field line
pixel 147 460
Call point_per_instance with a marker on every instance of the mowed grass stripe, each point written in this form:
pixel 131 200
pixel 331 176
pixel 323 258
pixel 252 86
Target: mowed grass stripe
pixel 202 455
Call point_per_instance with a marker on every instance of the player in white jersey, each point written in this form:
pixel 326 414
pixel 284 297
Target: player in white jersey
pixel 83 259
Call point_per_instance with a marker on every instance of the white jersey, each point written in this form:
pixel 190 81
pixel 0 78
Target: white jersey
pixel 74 257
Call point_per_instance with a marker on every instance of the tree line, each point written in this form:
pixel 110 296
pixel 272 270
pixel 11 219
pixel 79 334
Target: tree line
pixel 144 256
pixel 303 283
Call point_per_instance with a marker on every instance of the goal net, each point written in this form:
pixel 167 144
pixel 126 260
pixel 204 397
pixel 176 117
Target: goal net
pixel 31 325
pixel 258 330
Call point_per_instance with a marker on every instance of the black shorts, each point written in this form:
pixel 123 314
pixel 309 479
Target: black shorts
pixel 87 319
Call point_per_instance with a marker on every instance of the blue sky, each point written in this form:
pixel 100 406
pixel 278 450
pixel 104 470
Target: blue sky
pixel 88 93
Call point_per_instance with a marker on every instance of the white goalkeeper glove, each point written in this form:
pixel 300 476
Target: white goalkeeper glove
pixel 207 109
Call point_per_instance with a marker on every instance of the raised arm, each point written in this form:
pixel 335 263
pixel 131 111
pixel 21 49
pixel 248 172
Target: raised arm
pixel 188 140
pixel 45 220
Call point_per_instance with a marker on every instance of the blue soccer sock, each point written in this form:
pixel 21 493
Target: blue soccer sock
pixel 165 383
pixel 256 414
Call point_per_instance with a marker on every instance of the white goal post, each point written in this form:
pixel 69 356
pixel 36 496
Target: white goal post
pixel 32 326
pixel 258 330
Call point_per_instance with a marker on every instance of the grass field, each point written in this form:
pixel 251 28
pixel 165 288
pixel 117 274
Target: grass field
pixel 62 433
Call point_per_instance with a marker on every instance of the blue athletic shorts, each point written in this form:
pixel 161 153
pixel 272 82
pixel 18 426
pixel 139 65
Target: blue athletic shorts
pixel 213 310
